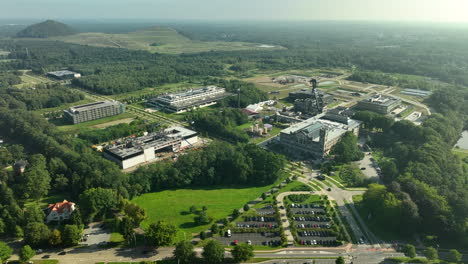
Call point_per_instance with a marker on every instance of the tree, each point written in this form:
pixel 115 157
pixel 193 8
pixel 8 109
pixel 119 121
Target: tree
pixel 55 238
pixel 431 253
pixel 35 181
pixel 161 234
pixel 246 207
pixel 214 228
pixel 36 234
pixel 5 251
pixel 71 235
pixel 26 253
pixel 264 196
pixel 184 252
pixel 213 252
pixel 409 251
pixel 242 252
pixel 235 213
pixel 340 260
pixel 34 214
pixel 193 209
pixel 202 235
pixel 202 218
pixel 347 150
pixel 136 213
pixel 126 228
pixel 97 202
pixel 455 256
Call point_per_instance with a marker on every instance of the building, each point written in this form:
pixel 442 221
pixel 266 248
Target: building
pixel 191 99
pixel 415 92
pixel 379 103
pixel 63 75
pixel 60 211
pixel 83 113
pixel 135 151
pixel 307 93
pixel 315 137
pixel 20 166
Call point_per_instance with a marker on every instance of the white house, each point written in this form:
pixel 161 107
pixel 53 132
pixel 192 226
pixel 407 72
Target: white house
pixel 60 211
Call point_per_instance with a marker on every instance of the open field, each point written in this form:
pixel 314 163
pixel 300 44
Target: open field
pixel 173 206
pixel 29 80
pixel 156 39
pixel 462 153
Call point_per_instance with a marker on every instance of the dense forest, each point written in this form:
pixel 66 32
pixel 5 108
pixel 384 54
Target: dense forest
pixel 46 29
pixel 426 188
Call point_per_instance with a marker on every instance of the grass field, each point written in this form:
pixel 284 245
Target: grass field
pixel 64 106
pixel 173 206
pixel 29 80
pixel 156 39
pixel 462 153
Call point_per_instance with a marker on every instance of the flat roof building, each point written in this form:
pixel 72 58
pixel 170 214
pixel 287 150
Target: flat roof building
pixel 191 99
pixel 65 74
pixel 379 103
pixel 315 137
pixel 307 93
pixel 134 151
pixel 83 113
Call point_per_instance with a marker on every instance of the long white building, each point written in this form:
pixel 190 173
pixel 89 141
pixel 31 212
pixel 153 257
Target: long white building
pixel 135 151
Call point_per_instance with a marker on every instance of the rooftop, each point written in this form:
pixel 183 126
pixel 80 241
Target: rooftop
pixel 313 125
pixel 189 93
pixel 62 73
pixel 380 99
pixel 61 207
pixel 158 140
pixel 91 106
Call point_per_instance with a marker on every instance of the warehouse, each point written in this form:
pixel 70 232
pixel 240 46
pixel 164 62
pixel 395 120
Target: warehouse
pixel 83 113
pixel 315 137
pixel 187 100
pixel 135 151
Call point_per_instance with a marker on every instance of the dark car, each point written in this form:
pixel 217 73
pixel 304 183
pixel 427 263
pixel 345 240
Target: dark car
pixel 62 253
pixel 46 256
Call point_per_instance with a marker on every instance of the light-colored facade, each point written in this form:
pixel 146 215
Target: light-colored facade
pixel 83 113
pixel 191 99
pixel 66 74
pixel 379 103
pixel 315 137
pixel 60 211
pixel 143 149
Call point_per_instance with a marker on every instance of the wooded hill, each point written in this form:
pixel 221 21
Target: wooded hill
pixel 46 29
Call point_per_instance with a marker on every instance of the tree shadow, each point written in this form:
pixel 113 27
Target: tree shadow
pixel 185 213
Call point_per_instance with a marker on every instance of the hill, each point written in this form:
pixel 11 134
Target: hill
pixel 156 39
pixel 46 29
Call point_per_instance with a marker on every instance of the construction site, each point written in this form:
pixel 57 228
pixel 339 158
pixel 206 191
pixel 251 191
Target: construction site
pixel 131 152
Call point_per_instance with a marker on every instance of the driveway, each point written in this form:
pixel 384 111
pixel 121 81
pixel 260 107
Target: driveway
pixel 370 171
pixel 96 235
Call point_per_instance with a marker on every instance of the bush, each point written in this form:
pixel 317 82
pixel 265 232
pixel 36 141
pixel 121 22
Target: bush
pixel 299 198
pixel 246 207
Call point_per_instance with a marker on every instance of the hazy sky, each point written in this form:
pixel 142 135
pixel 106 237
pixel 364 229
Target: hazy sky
pixel 399 10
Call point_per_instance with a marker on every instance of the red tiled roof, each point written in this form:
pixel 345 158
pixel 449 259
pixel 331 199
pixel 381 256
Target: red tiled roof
pixel 249 112
pixel 60 207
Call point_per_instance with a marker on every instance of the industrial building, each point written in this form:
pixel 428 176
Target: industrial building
pixel 187 100
pixel 315 137
pixel 308 93
pixel 134 151
pixel 83 113
pixel 379 103
pixel 63 75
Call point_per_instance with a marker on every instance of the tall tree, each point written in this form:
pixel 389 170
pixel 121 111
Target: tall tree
pixel 409 251
pixel 242 252
pixel 213 252
pixel 184 252
pixel 5 251
pixel 161 234
pixel 71 235
pixel 36 234
pixel 26 253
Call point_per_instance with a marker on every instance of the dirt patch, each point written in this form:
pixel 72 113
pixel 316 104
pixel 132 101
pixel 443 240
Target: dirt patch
pixel 113 123
pixel 265 80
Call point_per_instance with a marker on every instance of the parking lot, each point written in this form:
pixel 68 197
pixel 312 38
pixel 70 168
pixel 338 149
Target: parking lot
pixel 95 234
pixel 312 225
pixel 256 239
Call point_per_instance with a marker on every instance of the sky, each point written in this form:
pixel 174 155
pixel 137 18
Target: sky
pixel 360 10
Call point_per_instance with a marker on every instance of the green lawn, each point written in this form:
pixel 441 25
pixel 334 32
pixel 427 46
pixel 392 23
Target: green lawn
pixel 462 153
pixel 173 206
pixel 64 106
pixel 44 202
